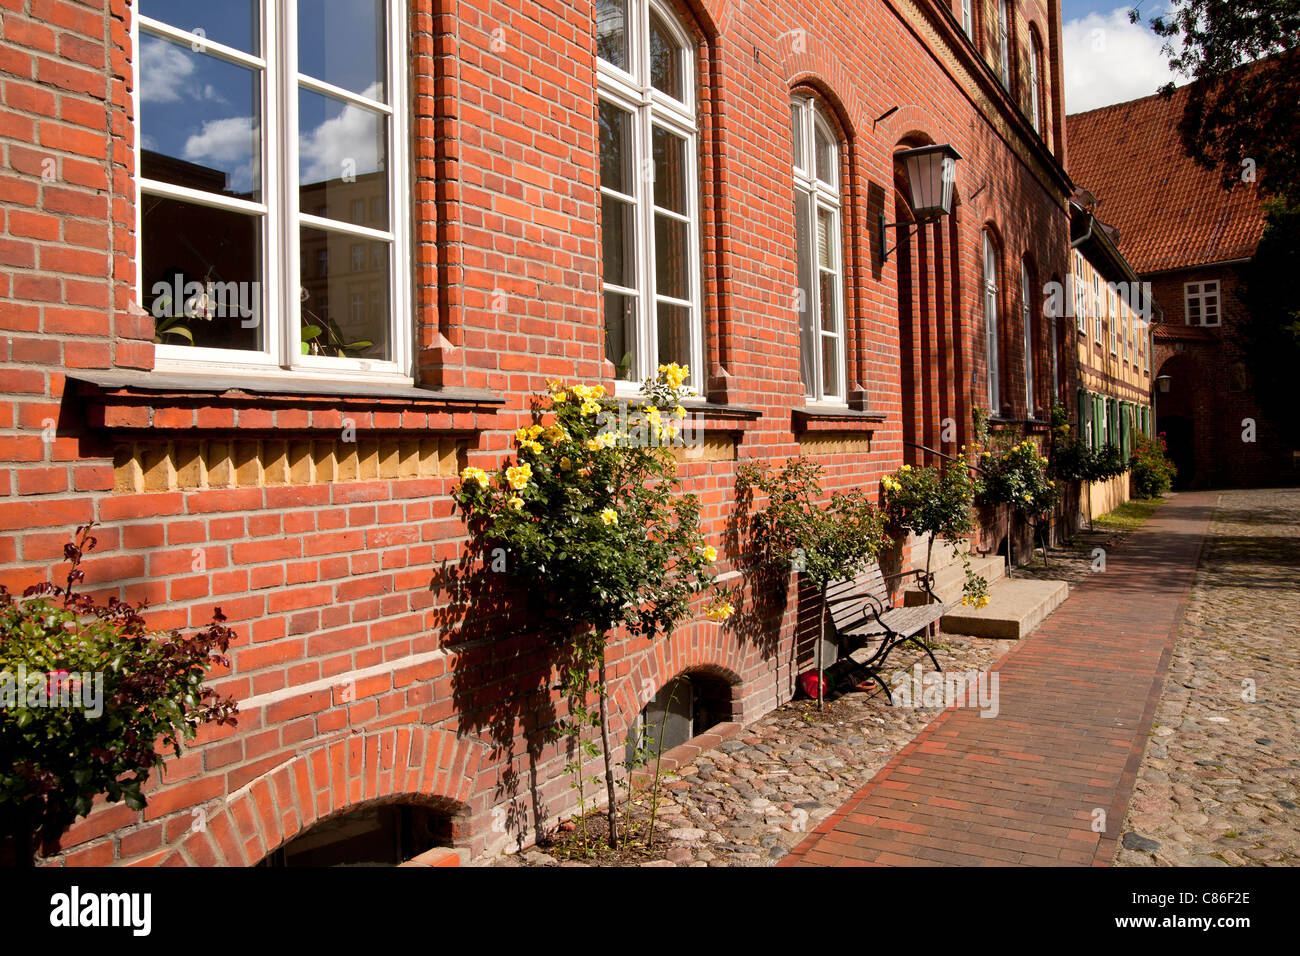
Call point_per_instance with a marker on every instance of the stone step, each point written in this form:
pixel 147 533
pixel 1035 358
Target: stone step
pixel 948 581
pixel 1016 606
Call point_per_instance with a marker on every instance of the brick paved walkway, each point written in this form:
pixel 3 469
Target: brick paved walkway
pixel 1077 700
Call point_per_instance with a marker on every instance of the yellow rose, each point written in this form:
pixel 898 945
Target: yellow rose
pixel 534 447
pixel 566 464
pixel 477 475
pixel 679 412
pixel 560 397
pixel 535 430
pixel 710 553
pixel 515 503
pixel 521 434
pixel 518 476
pixel 720 611
pixel 609 516
pixel 590 407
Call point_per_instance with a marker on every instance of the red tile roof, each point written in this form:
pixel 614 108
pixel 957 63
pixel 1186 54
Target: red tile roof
pixel 1171 212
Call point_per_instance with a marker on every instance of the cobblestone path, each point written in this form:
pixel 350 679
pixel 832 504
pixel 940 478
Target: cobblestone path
pixel 1218 783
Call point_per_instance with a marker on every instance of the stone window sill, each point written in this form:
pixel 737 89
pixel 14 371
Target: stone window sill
pixel 171 402
pixel 828 419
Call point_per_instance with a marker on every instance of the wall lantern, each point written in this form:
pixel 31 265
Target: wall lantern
pixel 931 173
pixel 1162 383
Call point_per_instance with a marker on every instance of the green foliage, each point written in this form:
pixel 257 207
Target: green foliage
pixel 1017 476
pixel 1076 461
pixel 1244 65
pixel 590 516
pixel 1268 337
pixel 824 541
pixel 146 688
pixel 1153 473
pixel 932 500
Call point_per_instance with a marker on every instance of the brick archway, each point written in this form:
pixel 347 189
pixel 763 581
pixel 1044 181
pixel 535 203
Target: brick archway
pixel 707 654
pixel 412 763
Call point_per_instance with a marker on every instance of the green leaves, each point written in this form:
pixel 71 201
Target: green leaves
pixel 829 540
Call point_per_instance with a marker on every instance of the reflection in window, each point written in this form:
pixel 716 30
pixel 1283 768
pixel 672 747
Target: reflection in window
pixel 208 96
pixel 991 324
pixel 648 170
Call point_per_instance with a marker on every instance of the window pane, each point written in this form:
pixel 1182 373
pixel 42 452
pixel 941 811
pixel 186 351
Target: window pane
pixel 342 42
pixel 665 59
pixel 618 236
pixel 199 120
pixel 825 239
pixel 342 159
pixel 233 23
pixel 330 325
pixel 796 130
pixel 827 157
pixel 611 32
pixel 675 335
pixel 830 365
pixel 828 288
pixel 671 258
pixel 616 149
pixel 805 299
pixel 670 170
pixel 202 271
pixel 620 334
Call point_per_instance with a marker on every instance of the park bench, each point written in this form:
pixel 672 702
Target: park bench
pixel 863 616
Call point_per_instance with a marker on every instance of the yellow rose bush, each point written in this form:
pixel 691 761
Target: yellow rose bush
pixel 594 527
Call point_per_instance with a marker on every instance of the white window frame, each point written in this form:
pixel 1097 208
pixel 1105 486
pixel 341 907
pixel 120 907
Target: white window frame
pixel 1202 293
pixel 1112 315
pixel 1080 295
pixel 1097 333
pixel 631 90
pixel 282 219
pixel 990 271
pixel 1035 117
pixel 1004 43
pixel 1027 319
pixel 823 197
pixel 968 18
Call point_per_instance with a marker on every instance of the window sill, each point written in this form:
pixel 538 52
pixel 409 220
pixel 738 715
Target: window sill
pixel 834 419
pixel 171 402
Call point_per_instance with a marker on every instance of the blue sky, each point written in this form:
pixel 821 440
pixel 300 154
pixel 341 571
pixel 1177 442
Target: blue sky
pixel 1107 59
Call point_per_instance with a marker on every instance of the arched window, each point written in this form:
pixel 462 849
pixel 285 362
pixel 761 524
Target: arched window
pixel 650 232
pixel 819 251
pixel 991 323
pixel 1027 322
pixel 1035 53
pixel 1004 43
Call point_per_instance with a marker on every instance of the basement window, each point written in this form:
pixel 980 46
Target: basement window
pixel 685 707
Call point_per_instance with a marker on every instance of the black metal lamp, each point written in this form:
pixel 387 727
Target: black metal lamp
pixel 931 175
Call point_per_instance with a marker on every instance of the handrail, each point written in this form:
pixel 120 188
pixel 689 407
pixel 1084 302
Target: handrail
pixel 935 451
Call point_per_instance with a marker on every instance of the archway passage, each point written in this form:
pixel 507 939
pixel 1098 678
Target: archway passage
pixel 375 835
pixel 1179 414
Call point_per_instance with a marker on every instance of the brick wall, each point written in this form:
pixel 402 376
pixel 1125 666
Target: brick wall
pixel 1206 412
pixel 360 674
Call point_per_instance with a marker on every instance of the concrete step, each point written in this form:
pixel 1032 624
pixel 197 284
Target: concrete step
pixel 1016 606
pixel 948 581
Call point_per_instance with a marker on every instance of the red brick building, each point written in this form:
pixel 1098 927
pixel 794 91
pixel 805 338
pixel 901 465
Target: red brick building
pixel 271 280
pixel 1191 239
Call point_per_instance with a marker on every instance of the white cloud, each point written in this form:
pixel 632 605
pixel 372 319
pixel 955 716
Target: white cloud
pixel 224 142
pixel 165 69
pixel 352 137
pixel 1110 60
